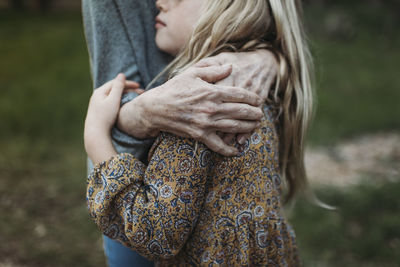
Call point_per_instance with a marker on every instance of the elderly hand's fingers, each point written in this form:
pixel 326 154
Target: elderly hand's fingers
pixel 131 84
pixel 262 85
pixel 213 74
pixel 211 140
pixel 241 138
pixel 137 91
pixel 216 144
pixel 238 95
pixel 237 111
pixel 228 138
pixel 235 126
pixel 184 128
pixel 209 61
pixel 256 71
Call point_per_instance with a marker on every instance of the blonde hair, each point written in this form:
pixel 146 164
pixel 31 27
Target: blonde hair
pixel 237 26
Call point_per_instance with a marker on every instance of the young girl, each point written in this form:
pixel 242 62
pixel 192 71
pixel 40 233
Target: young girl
pixel 189 205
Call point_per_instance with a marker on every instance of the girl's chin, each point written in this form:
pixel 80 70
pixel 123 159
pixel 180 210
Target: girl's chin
pixel 166 49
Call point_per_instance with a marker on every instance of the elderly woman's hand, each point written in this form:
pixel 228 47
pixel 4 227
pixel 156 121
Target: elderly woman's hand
pixel 255 71
pixel 191 105
pixel 206 100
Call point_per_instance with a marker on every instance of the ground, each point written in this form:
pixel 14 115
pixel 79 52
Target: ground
pixel 371 158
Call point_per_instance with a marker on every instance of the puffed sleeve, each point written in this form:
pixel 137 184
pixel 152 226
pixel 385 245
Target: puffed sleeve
pixel 152 209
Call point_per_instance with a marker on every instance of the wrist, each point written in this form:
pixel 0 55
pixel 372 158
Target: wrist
pixel 135 117
pixel 146 113
pixel 92 139
pixel 99 146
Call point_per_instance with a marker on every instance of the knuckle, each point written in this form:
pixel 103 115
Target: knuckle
pixel 213 93
pixel 234 125
pixel 210 109
pixel 196 135
pixel 201 122
pixel 192 72
pixel 249 83
pixel 187 117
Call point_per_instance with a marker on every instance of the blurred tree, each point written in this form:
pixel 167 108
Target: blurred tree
pixel 18 4
pixel 43 5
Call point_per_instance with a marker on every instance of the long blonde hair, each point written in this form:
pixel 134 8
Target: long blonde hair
pixel 246 25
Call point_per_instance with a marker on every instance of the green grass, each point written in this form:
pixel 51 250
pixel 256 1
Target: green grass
pixel 45 86
pixel 363 231
pixel 357 71
pixel 44 219
pixel 44 78
pixel 358 90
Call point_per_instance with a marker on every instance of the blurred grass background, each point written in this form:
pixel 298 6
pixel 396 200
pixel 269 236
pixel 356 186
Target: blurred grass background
pixel 45 87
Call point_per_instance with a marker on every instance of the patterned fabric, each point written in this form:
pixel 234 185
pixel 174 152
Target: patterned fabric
pixel 192 207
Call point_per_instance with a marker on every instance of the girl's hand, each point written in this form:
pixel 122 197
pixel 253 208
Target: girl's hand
pixel 102 114
pixel 104 104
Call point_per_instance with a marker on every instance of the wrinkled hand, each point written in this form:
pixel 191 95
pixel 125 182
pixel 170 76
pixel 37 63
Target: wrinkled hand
pixel 190 105
pixel 255 71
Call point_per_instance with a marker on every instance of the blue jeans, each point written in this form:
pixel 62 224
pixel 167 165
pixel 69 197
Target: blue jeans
pixel 120 256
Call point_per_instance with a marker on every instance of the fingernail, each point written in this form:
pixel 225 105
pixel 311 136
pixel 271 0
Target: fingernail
pixel 242 140
pixel 120 76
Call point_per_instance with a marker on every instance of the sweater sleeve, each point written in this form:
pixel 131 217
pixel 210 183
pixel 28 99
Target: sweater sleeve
pixel 152 209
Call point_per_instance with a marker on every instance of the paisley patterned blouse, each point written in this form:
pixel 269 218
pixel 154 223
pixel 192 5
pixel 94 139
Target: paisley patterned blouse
pixel 192 207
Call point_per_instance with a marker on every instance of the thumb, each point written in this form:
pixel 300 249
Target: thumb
pixel 214 74
pixel 118 86
pixel 208 61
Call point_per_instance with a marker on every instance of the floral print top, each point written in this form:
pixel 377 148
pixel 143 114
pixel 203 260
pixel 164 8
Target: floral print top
pixel 192 207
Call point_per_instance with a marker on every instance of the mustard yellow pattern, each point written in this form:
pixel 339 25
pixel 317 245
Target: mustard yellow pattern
pixel 192 207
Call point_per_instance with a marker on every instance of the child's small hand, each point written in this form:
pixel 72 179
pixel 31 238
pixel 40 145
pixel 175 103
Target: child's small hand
pixel 104 106
pixel 102 114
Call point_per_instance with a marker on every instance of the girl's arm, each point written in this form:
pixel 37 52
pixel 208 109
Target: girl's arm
pixel 152 209
pixel 102 114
